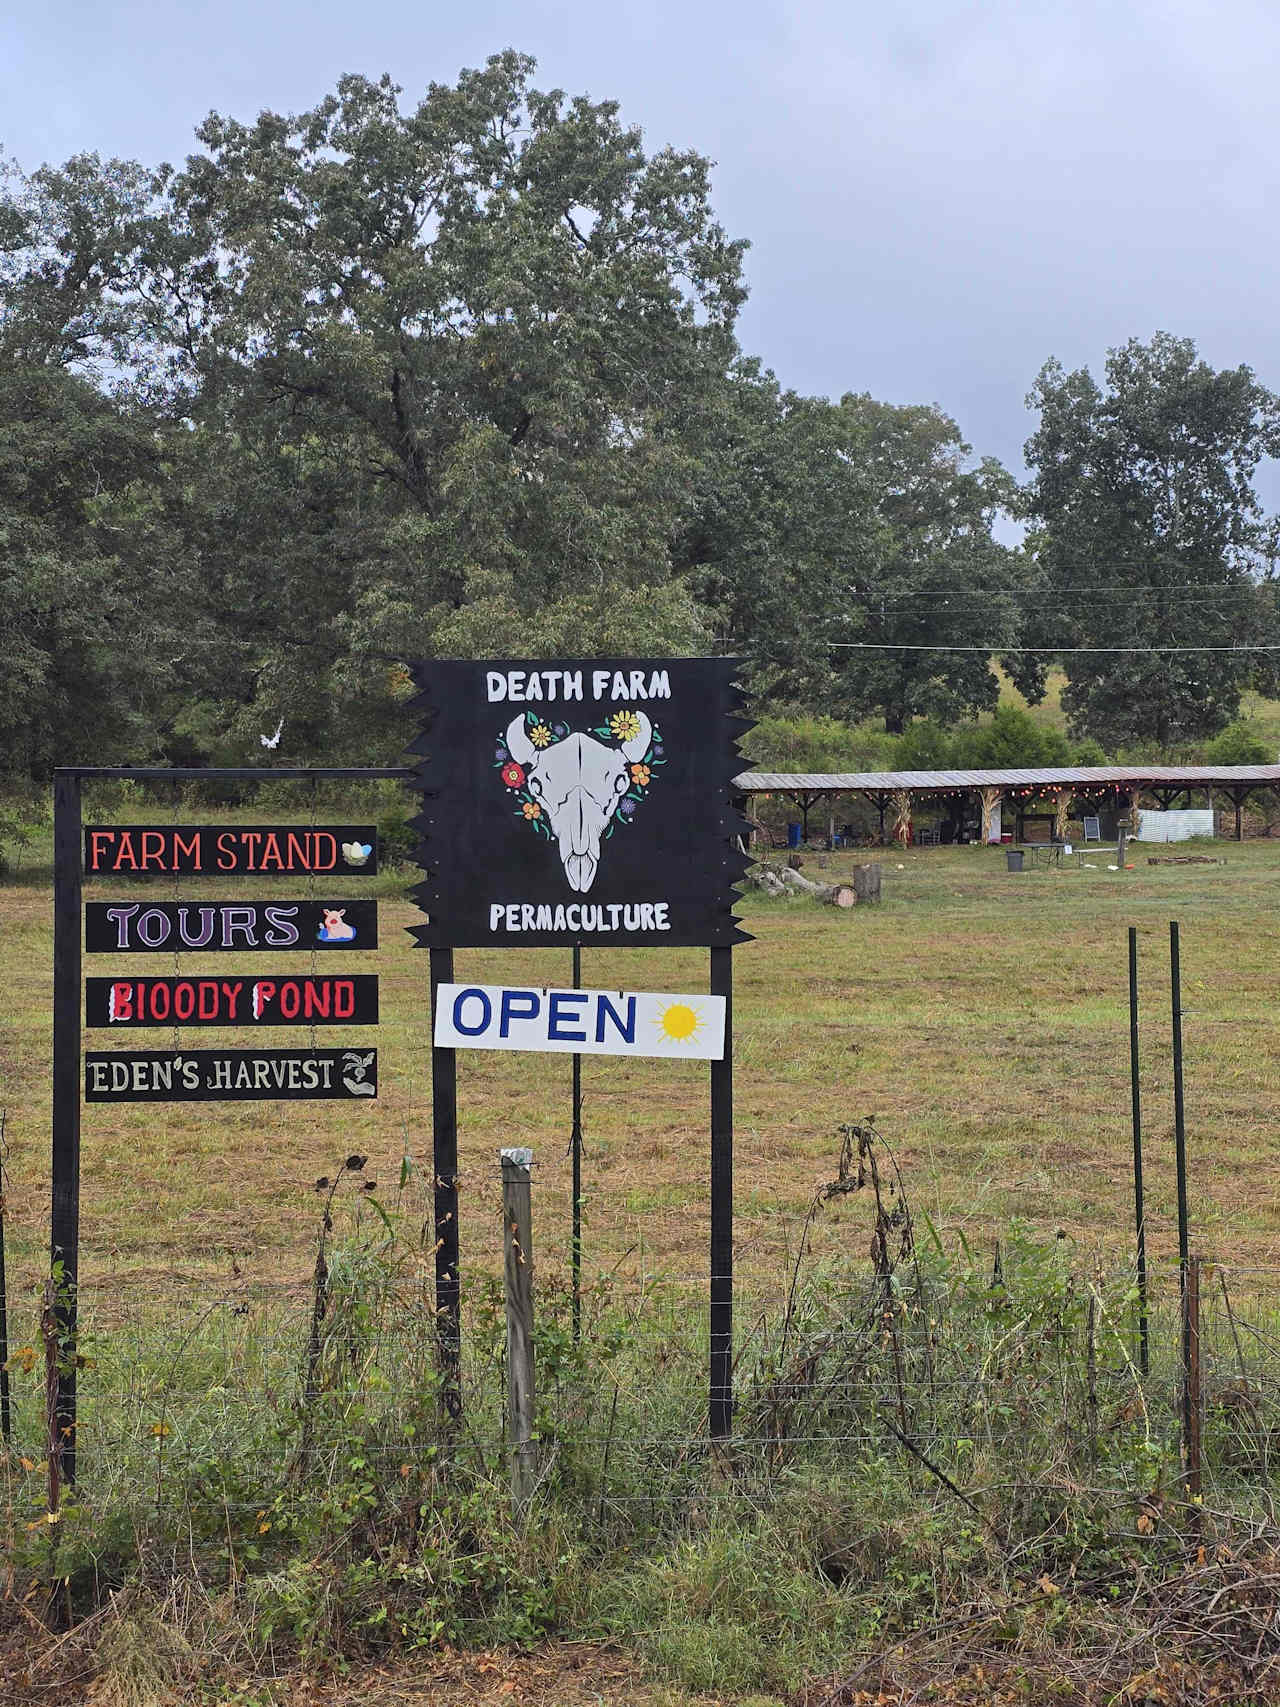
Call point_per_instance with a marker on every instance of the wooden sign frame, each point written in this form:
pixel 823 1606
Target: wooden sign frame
pixel 68 893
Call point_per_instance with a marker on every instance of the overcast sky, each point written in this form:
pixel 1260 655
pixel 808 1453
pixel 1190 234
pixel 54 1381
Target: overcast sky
pixel 939 194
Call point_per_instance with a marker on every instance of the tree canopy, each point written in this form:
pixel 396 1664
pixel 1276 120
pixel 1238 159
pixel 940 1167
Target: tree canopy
pixel 1150 537
pixel 381 380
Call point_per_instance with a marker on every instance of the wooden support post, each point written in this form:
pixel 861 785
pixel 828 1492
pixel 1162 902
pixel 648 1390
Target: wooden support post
pixel 517 1223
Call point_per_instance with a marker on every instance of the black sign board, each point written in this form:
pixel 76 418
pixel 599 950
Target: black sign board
pixel 231 850
pixel 230 1075
pixel 581 801
pixel 280 1000
pixel 137 927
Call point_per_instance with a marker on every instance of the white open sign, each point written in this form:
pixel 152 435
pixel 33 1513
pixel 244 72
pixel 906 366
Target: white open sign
pixel 581 1022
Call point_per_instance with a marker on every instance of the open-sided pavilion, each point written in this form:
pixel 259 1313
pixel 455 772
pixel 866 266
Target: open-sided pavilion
pixel 1117 788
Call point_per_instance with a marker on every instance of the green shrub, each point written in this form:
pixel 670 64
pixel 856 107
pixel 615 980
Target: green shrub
pixel 1012 740
pixel 1240 743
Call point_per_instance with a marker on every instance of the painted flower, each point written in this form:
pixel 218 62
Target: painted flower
pixel 625 725
pixel 627 808
pixel 540 735
pixel 640 775
pixel 513 774
pixel 531 810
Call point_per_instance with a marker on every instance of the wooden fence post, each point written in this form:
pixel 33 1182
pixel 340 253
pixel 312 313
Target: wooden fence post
pixel 517 1223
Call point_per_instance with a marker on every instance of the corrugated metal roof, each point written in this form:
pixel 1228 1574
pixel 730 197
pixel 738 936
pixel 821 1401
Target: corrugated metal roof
pixel 878 782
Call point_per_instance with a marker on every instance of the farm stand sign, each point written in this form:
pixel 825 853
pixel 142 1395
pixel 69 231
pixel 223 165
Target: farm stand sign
pixel 579 1022
pixel 244 850
pixel 230 1075
pixel 585 801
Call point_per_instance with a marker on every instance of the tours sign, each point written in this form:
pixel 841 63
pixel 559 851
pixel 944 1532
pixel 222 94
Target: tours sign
pixel 585 801
pixel 216 927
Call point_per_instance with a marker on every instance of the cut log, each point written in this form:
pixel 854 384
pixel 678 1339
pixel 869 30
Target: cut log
pixel 782 880
pixel 866 882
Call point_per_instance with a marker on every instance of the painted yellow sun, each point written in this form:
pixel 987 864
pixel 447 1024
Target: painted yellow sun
pixel 679 1022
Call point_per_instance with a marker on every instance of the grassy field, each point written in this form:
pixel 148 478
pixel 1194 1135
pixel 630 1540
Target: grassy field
pixel 980 1016
pixel 260 1522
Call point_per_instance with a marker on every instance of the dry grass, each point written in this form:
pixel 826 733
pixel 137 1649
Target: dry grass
pixel 980 1016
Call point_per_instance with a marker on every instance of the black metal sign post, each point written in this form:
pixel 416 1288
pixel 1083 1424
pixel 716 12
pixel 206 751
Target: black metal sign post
pixel 586 801
pixel 444 1162
pixel 64 1230
pixel 721 1373
pixel 273 851
pixel 575 1150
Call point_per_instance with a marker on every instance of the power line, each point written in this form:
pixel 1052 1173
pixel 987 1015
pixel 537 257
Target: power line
pixel 999 651
pixel 1048 597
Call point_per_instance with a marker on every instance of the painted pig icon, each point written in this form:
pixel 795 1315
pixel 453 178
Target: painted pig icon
pixel 335 927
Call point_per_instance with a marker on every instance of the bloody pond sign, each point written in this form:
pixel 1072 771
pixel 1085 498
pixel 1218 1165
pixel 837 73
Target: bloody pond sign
pixel 315 1000
pixel 582 801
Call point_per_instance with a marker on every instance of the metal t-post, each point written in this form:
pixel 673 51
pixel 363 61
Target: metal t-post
pixel 1138 1198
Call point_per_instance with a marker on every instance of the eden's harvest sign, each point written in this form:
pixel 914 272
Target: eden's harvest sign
pixel 229 1075
pixel 584 801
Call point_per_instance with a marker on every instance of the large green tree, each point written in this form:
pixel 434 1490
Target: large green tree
pixel 847 550
pixel 103 623
pixel 1149 537
pixel 421 379
pixel 464 340
pixel 939 597
pixel 781 527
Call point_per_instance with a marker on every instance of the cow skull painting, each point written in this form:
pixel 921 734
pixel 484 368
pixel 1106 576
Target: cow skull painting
pixel 574 786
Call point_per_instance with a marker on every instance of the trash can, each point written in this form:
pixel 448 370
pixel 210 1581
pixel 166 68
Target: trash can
pixel 793 835
pixel 1014 857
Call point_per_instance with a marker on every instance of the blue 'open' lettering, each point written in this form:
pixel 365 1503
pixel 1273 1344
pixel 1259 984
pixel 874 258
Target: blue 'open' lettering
pixel 486 1008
